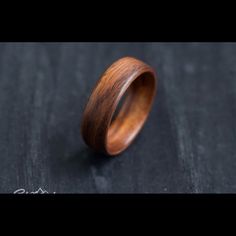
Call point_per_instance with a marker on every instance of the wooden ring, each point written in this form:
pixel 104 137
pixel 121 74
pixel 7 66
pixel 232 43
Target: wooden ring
pixel 137 81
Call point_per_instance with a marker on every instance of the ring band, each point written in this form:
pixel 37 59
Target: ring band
pixel 100 129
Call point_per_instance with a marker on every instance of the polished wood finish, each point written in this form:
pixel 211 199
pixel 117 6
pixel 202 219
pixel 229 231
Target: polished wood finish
pixel 101 129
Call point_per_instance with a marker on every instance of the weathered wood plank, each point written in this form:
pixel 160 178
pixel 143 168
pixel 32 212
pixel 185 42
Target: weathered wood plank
pixel 187 145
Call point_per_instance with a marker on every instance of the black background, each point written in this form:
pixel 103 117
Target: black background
pixel 187 144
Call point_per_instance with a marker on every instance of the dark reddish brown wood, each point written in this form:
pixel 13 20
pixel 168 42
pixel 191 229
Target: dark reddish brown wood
pixel 100 129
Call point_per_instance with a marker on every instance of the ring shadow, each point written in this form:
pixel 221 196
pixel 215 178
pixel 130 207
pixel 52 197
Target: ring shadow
pixel 67 159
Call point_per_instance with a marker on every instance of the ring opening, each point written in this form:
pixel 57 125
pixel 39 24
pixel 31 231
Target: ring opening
pixel 133 112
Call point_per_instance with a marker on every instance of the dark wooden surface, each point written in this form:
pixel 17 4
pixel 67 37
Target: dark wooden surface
pixel 187 145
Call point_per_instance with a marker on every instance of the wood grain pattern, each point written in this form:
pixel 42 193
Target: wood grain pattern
pixel 127 75
pixel 43 91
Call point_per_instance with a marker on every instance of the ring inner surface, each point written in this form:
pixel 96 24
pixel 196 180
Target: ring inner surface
pixel 133 113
